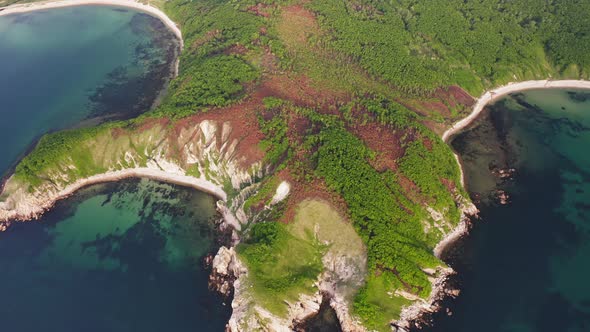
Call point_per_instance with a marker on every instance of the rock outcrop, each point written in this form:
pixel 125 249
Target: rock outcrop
pixel 414 315
pixel 204 156
pixel 229 274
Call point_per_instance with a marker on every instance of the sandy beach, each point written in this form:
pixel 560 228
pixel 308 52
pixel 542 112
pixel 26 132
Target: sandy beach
pixel 34 209
pixel 415 311
pixel 153 11
pixel 487 98
pixel 493 95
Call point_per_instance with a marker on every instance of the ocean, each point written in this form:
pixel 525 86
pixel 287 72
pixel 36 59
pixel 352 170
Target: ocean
pixel 524 265
pixel 125 256
pixel 77 66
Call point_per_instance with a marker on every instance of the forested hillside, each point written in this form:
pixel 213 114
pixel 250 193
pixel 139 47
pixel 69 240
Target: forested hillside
pixel 421 45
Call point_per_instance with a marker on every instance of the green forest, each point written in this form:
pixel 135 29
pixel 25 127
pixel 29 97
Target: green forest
pixel 384 215
pixel 421 45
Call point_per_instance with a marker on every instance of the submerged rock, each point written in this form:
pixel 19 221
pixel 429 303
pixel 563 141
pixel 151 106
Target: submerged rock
pixel 501 197
pixel 504 173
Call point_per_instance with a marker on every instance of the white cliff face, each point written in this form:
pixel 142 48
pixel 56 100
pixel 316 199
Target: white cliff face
pixel 207 148
pixel 206 156
pixel 281 193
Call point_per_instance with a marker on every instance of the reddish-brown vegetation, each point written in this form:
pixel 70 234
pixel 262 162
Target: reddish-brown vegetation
pixel 301 191
pixel 210 35
pixel 260 9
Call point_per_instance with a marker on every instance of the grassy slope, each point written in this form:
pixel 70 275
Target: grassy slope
pixel 389 218
pixel 282 265
pixel 355 64
pixel 285 261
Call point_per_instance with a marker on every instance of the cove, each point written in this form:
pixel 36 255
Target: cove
pixel 123 256
pixel 61 67
pixel 524 266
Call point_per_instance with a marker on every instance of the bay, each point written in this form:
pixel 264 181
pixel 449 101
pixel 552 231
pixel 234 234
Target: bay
pixel 60 67
pixel 524 265
pixel 125 256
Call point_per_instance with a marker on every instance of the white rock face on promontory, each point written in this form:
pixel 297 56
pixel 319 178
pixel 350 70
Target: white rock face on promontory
pixel 204 157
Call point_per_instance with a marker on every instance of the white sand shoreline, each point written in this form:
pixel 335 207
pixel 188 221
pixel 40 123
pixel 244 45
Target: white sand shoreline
pixel 489 97
pixel 36 209
pixel 462 228
pixel 150 10
pixel 415 311
pixel 492 95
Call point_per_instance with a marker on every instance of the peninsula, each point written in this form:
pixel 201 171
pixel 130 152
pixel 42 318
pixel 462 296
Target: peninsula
pixel 318 125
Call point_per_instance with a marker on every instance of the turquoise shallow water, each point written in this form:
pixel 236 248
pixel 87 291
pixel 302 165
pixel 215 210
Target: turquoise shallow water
pixel 115 257
pixel 123 256
pixel 525 265
pixel 61 66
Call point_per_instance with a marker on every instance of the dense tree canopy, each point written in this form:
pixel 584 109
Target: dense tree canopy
pixel 420 45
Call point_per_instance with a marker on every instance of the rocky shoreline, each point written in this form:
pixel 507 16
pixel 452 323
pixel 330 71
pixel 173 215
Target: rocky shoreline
pixel 228 273
pixel 418 315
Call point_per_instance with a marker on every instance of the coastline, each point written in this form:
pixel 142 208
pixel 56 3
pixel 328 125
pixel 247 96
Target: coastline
pixel 34 210
pixel 488 97
pixel 203 185
pixel 414 314
pixel 497 93
pixel 147 9
pixel 133 4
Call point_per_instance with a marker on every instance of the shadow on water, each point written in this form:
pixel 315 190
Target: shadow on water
pixel 123 95
pixel 324 321
pixel 523 265
pixel 129 80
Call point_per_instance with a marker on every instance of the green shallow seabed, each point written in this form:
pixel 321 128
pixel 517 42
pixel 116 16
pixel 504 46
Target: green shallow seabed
pixel 525 265
pixel 123 256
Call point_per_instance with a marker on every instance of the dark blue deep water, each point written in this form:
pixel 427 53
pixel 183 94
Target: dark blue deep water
pixel 525 265
pixel 124 256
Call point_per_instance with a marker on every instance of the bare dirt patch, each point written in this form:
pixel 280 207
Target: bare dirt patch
pixel 260 9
